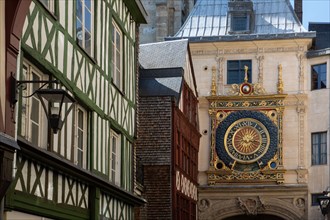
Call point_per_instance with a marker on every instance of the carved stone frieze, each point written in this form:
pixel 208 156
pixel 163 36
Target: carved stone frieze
pixel 220 82
pixel 302 175
pixel 203 205
pixel 225 202
pixel 301 58
pixel 246 51
pixel 251 206
pixel 245 103
pixel 260 59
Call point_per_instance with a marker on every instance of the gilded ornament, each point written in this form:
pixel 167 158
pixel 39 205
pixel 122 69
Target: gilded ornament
pixel 280 81
pixel 214 87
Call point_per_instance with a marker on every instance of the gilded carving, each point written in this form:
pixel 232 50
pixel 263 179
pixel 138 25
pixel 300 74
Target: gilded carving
pixel 213 87
pixel 234 158
pixel 280 81
pixel 258 89
pixel 246 89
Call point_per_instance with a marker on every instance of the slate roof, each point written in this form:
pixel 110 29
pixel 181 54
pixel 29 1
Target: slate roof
pixel 166 54
pixel 163 67
pixel 161 82
pixel 273 19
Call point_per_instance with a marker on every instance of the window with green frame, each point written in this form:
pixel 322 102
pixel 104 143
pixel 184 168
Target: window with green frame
pixel 116 58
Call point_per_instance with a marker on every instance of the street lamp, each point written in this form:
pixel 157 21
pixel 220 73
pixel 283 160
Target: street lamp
pixel 324 202
pixel 55 98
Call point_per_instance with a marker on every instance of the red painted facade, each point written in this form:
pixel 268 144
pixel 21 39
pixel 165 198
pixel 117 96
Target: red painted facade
pixel 185 164
pixel 15 13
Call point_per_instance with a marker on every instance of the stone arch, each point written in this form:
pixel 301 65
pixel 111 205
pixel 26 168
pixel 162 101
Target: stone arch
pixel 284 209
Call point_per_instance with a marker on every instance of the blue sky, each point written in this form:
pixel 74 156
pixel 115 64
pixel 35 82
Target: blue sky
pixel 315 11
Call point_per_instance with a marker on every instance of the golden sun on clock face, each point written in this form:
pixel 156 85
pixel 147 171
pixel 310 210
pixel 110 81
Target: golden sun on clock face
pixel 246 140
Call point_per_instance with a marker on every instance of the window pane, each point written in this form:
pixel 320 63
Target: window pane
pixel 116 56
pixel 79 10
pixel 80 139
pixel 80 119
pixel 318 76
pixel 88 20
pixel 118 59
pixel 88 4
pixel 45 2
pixel 118 41
pixel 35 77
pixel 88 42
pixel 34 134
pixel 314 199
pixel 114 144
pixel 239 23
pixel 113 35
pixel 319 148
pixel 35 110
pixel 80 158
pixel 79 32
pixel 233 64
pixel 236 71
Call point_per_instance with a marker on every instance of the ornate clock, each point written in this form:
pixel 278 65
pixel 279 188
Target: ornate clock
pixel 246 140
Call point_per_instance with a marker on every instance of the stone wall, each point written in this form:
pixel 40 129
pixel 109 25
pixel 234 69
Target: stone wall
pixel 165 17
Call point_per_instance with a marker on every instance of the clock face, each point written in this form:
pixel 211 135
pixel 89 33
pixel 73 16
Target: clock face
pixel 246 140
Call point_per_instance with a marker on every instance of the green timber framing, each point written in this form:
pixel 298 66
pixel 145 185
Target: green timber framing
pixel 45 183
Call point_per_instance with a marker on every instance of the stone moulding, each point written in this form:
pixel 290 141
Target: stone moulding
pixel 221 202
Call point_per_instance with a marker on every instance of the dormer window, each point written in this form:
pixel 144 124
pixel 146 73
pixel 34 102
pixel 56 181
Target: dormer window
pixel 240 17
pixel 240 23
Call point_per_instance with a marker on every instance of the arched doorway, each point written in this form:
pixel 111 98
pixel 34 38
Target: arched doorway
pixel 254 217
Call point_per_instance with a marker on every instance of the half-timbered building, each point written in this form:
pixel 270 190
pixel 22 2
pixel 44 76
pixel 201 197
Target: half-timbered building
pixel 168 136
pixel 84 170
pixel 263 110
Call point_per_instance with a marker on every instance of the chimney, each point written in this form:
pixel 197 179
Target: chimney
pixel 298 9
